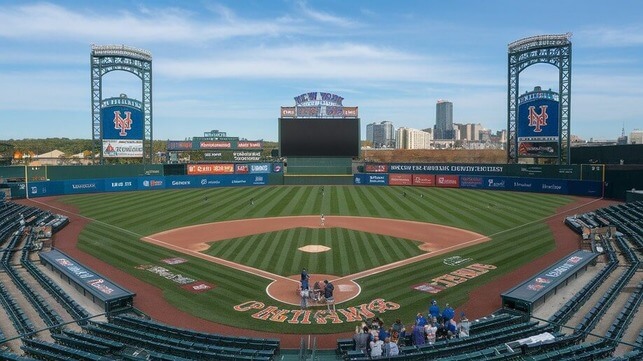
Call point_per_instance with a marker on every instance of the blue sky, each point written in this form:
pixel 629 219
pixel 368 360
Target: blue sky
pixel 230 65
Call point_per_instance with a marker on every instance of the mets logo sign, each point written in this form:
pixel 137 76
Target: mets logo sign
pixel 538 120
pixel 124 124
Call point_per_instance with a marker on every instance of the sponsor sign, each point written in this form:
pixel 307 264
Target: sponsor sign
pixel 259 180
pixel 214 168
pixel 400 179
pixel 263 168
pixel 167 274
pixel 198 287
pixel 456 260
pixel 241 169
pixel 179 145
pixel 288 112
pixel 379 179
pixel 457 277
pixel 233 155
pixel 471 182
pixel 261 311
pixel 428 288
pixel 120 184
pixel 119 148
pixel 447 181
pixel 538 149
pixel 423 180
pixel 175 260
pixel 151 183
pixel 375 168
pixel 252 145
pixel 83 186
pixel 215 145
pixel 277 168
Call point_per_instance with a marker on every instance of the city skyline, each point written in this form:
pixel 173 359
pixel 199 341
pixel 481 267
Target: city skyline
pixel 231 65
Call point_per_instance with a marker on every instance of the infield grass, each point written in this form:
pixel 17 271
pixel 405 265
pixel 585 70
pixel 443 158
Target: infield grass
pixel 514 221
pixel 369 251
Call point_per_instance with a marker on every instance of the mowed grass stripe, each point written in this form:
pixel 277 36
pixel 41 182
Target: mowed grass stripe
pixel 369 250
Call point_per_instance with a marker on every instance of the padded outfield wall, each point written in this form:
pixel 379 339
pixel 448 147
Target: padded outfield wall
pixel 584 180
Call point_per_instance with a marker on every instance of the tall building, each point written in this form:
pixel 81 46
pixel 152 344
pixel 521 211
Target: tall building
pixel 443 120
pixel 408 138
pixel 381 135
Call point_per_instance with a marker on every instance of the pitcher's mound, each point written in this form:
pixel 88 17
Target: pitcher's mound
pixel 286 291
pixel 314 248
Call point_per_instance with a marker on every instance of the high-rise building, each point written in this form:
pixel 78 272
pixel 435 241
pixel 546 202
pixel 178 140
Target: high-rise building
pixel 443 120
pixel 381 135
pixel 636 137
pixel 408 138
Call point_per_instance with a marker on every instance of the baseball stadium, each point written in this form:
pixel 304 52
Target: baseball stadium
pixel 317 254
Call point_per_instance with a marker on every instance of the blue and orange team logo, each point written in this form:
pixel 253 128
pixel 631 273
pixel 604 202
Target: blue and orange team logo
pixel 538 120
pixel 125 124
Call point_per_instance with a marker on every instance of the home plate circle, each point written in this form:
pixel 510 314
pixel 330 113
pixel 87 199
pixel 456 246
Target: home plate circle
pixel 314 248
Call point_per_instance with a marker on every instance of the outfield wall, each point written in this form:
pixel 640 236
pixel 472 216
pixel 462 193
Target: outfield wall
pixel 498 183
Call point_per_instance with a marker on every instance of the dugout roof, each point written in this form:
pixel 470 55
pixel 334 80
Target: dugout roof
pixel 94 283
pixel 538 286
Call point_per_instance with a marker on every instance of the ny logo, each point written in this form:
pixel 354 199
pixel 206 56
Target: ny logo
pixel 538 120
pixel 122 124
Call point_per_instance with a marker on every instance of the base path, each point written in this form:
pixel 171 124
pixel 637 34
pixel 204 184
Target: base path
pixel 436 239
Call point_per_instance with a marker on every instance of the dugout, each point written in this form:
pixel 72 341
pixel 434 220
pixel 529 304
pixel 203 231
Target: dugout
pixel 535 291
pixel 98 289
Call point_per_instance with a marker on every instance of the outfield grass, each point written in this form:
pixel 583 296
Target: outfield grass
pixel 513 220
pixel 252 250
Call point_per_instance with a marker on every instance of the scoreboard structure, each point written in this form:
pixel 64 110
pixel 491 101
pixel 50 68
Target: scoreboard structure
pixel 319 125
pixel 121 126
pixel 538 123
pixel 538 128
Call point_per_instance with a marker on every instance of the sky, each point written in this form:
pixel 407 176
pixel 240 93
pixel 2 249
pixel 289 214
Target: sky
pixel 231 65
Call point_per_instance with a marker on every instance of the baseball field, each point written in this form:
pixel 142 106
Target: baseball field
pixel 389 250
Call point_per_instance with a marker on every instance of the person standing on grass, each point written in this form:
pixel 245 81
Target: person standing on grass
pixel 328 294
pixel 322 219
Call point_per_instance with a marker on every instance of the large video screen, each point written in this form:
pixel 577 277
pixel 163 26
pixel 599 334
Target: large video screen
pixel 319 137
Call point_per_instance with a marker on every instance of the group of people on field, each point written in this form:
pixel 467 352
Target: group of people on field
pixel 322 291
pixel 376 340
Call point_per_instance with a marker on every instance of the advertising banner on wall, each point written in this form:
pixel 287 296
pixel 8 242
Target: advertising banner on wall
pixel 424 180
pixel 151 183
pixel 77 186
pixel 233 155
pixel 119 148
pixel 370 179
pixel 375 168
pixel 477 169
pixel 121 184
pixel 447 181
pixel 400 179
pixel 213 168
pixel 264 168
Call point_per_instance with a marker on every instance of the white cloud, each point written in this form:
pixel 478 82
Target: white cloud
pixel 50 21
pixel 325 17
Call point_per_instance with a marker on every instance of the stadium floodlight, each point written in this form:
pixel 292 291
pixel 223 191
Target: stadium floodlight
pixel 121 50
pixel 539 41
